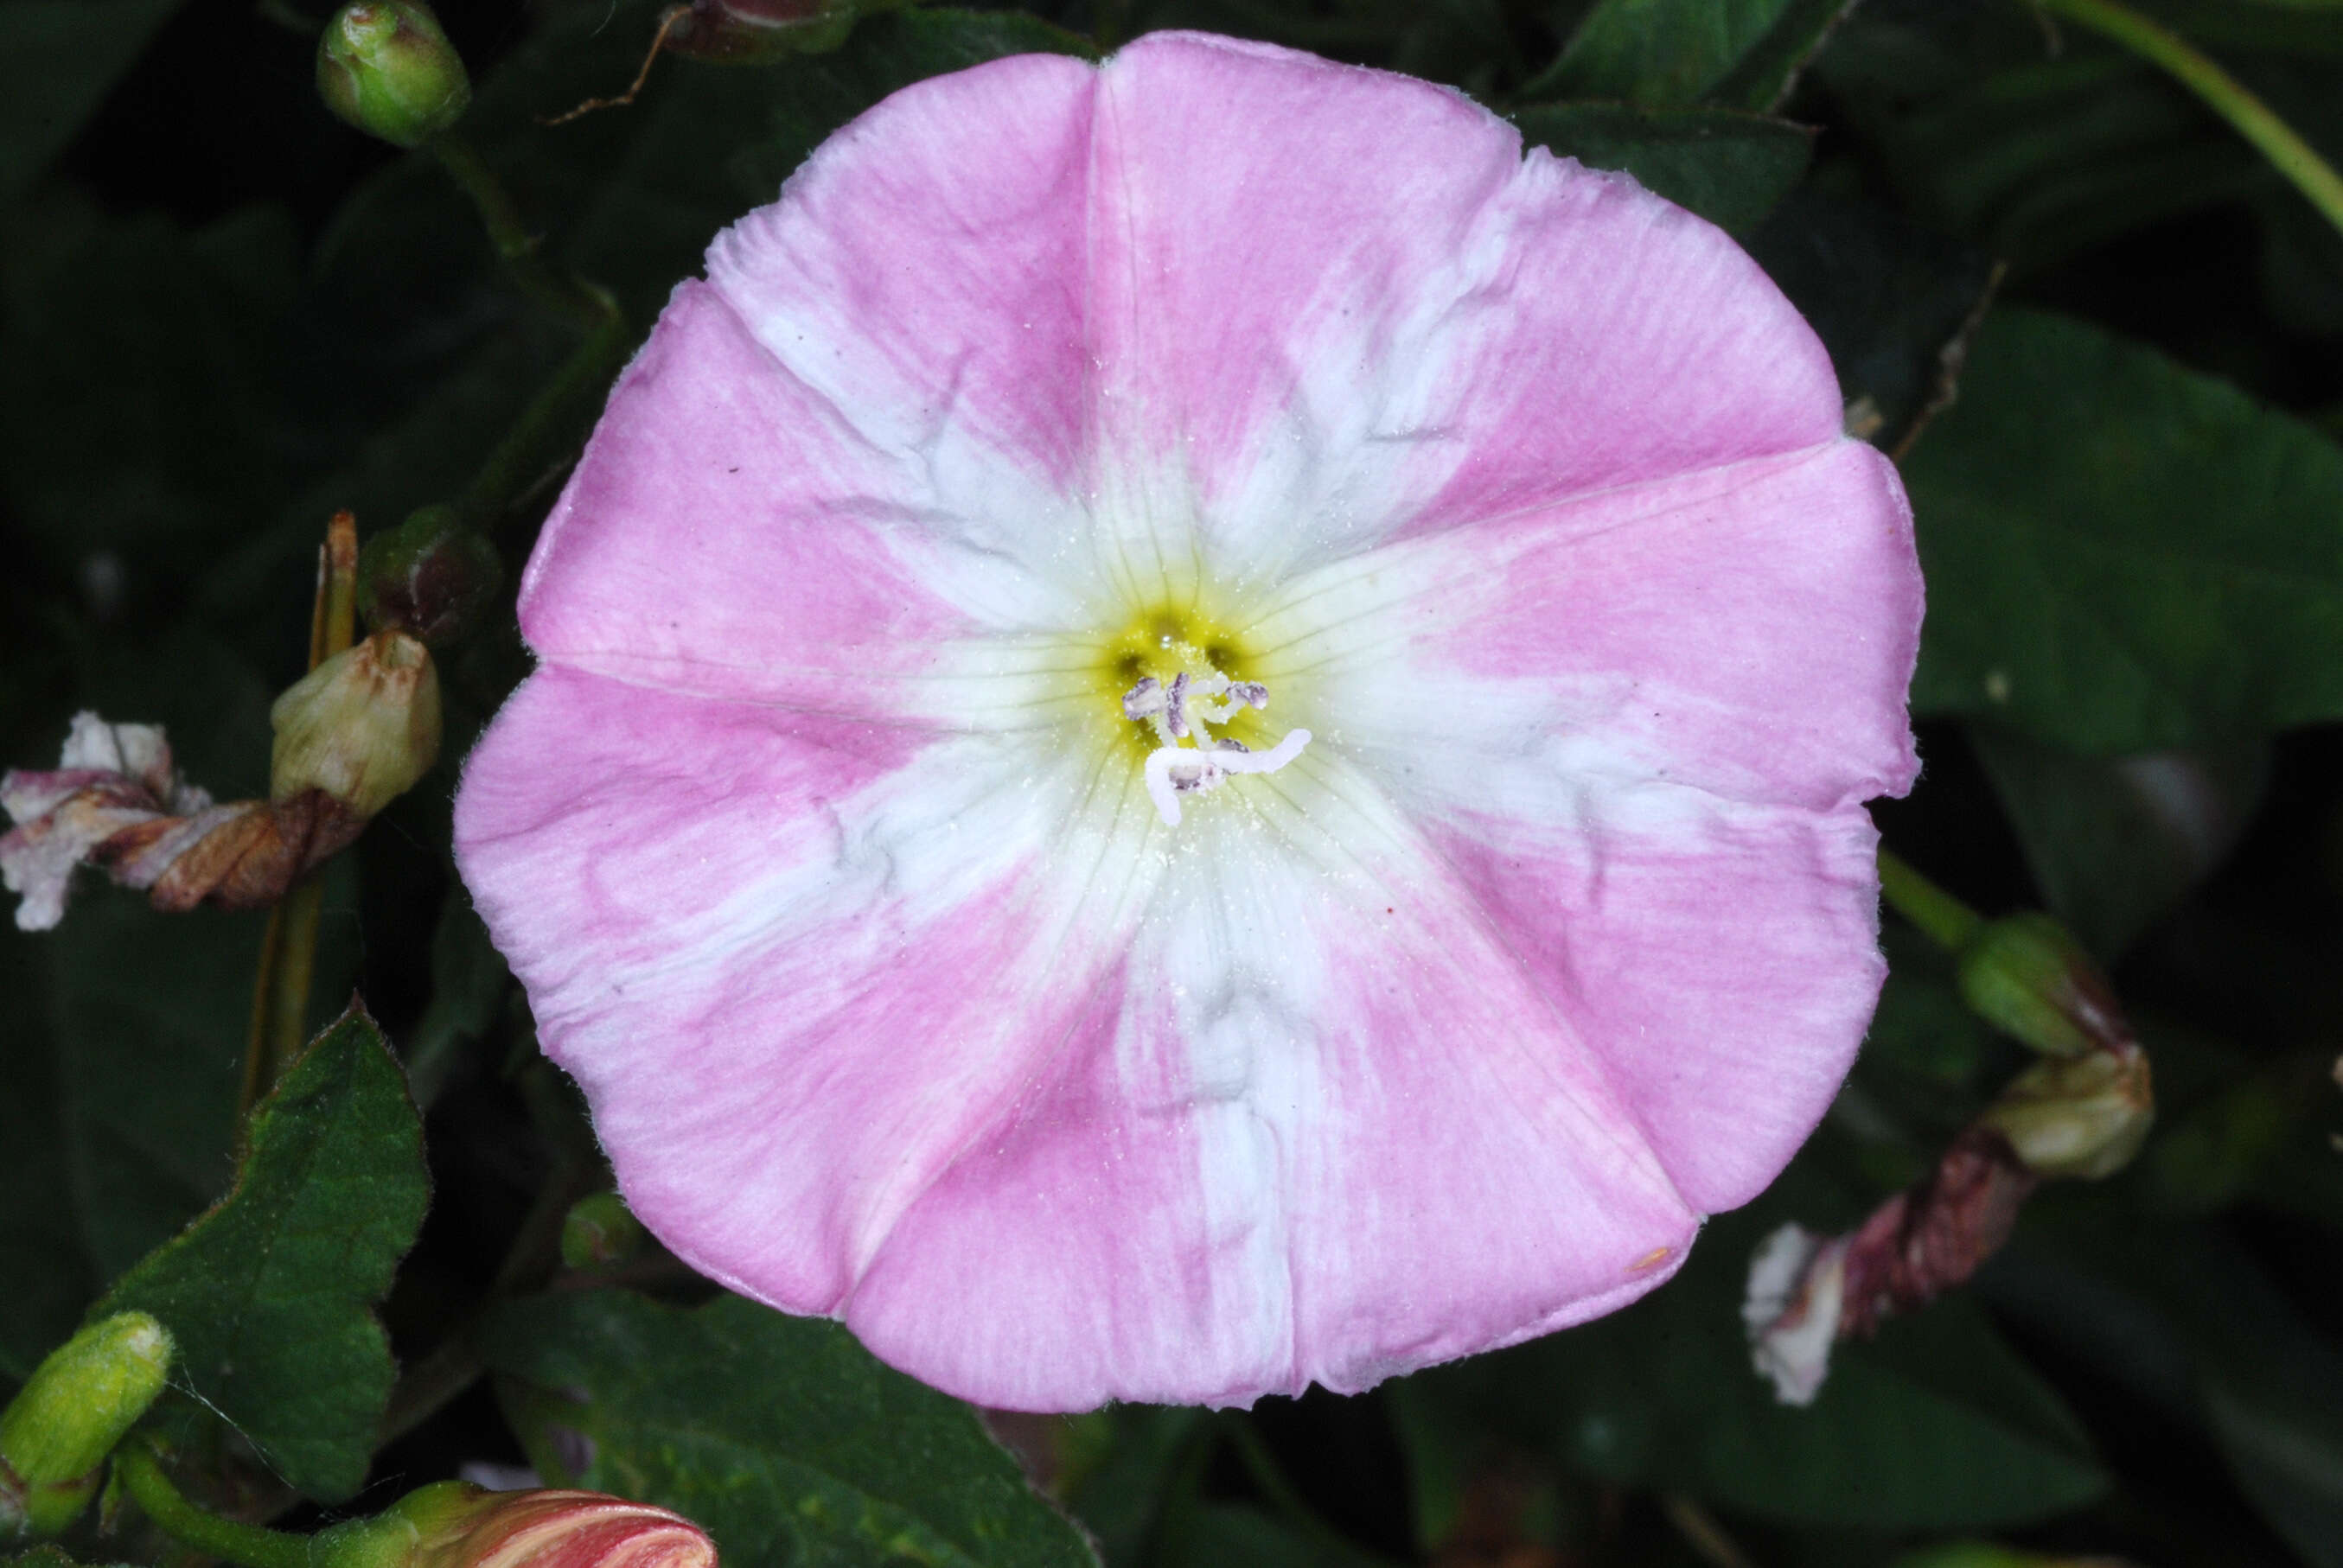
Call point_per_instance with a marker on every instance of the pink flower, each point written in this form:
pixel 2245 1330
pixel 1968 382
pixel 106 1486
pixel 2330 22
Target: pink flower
pixel 833 837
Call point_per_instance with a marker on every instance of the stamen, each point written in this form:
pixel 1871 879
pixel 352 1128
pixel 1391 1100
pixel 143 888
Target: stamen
pixel 1144 699
pixel 1181 711
pixel 1175 770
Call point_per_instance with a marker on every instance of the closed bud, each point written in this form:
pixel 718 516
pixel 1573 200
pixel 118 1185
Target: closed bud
pixel 2027 976
pixel 385 66
pixel 751 31
pixel 79 1402
pixel 455 1524
pixel 2082 1116
pixel 601 1231
pixel 430 577
pixel 362 727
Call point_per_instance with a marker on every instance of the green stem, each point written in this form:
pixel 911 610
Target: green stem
pixel 281 996
pixel 1948 922
pixel 548 425
pixel 435 1381
pixel 1261 1464
pixel 581 304
pixel 288 950
pixel 2295 159
pixel 249 1546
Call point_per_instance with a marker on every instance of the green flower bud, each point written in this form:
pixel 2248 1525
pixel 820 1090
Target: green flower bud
pixel 363 727
pixel 385 66
pixel 601 1231
pixel 430 576
pixel 2026 976
pixel 55 1434
pixel 2083 1116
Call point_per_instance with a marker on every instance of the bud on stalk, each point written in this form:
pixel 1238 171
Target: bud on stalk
pixel 2082 1112
pixel 2082 1117
pixel 362 727
pixel 2029 977
pixel 79 1402
pixel 455 1524
pixel 431 576
pixel 385 66
pixel 599 1231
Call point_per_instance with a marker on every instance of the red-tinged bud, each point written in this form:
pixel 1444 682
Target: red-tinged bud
pixel 78 1404
pixel 749 32
pixel 599 1231
pixel 2027 976
pixel 362 727
pixel 2076 1116
pixel 385 66
pixel 430 577
pixel 455 1524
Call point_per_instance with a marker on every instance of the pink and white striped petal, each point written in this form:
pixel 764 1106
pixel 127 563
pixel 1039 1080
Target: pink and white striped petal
pixel 824 843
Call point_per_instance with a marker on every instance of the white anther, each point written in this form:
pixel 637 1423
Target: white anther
pixel 1173 771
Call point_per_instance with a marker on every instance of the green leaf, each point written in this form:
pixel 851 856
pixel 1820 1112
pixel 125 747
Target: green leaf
pixel 1729 167
pixel 137 386
pixel 1936 1425
pixel 1886 296
pixel 414 327
pixel 122 1046
pixel 2190 1317
pixel 1220 1534
pixel 2115 843
pixel 1764 74
pixel 468 982
pixel 2033 154
pixel 1137 1471
pixel 269 1294
pixel 1656 53
pixel 41 1255
pixel 781 1435
pixel 2123 555
pixel 59 59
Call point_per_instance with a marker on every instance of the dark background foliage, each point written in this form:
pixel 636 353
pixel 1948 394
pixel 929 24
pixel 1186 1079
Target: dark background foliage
pixel 223 314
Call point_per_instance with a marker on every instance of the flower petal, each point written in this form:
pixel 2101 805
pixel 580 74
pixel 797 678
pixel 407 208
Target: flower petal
pixel 725 533
pixel 923 272
pixel 1320 1127
pixel 1640 727
pixel 792 961
pixel 1052 1128
pixel 1340 302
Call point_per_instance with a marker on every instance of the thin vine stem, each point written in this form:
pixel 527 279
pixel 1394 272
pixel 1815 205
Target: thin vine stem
pixel 2226 97
pixel 288 950
pixel 547 426
pixel 1947 921
pixel 247 1545
pixel 581 304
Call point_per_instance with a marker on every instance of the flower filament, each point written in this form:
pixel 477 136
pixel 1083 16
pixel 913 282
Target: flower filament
pixel 1189 759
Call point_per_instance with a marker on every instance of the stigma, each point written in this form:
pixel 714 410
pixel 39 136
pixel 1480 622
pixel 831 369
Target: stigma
pixel 1190 759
